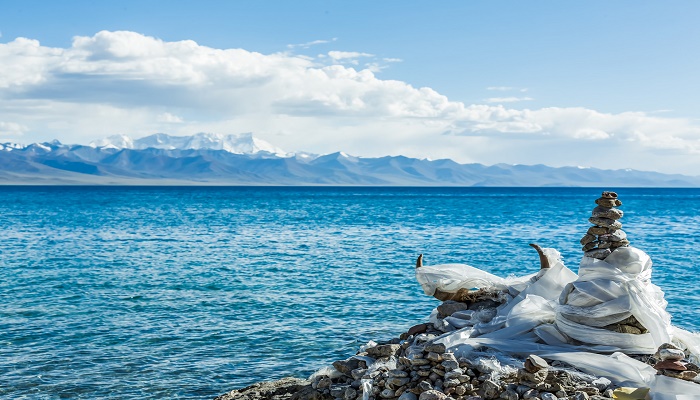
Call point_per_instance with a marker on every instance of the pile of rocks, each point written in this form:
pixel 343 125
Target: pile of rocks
pixel 671 362
pixel 419 369
pixel 606 235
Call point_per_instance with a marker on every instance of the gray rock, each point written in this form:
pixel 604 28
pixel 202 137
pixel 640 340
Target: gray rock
pixel 448 357
pixel 450 307
pixel 605 222
pixel 420 361
pixel 324 383
pixel 601 383
pixel 603 202
pixel 397 373
pixel 281 389
pixel 604 212
pixel 395 383
pixel 618 235
pixel 435 348
pixel 408 396
pixel 621 243
pixel 383 350
pixel 589 246
pixel 457 372
pixel 451 383
pixel 587 239
pixel 579 396
pixel 509 394
pixel 338 390
pixel 434 357
pixel 492 390
pixel 600 254
pixel 387 393
pixel 438 371
pixel 670 354
pixel 350 394
pixel 450 365
pixel 424 386
pixel 547 396
pixel 432 395
pixel 604 245
pixel 346 366
pixel 537 361
pixel 531 394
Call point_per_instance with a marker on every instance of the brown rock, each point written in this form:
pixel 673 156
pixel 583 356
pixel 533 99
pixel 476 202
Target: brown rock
pixel 589 246
pixel 587 239
pixel 609 203
pixel 672 365
pixel 417 329
pixel 599 230
pixel 621 243
pixel 606 222
pixel 609 195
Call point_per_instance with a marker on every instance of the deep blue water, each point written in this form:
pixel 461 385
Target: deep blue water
pixel 140 292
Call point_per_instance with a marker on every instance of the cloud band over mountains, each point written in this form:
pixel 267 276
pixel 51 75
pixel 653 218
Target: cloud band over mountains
pixel 126 82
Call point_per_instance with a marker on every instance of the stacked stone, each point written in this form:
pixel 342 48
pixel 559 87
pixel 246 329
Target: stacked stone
pixel 606 235
pixel 671 362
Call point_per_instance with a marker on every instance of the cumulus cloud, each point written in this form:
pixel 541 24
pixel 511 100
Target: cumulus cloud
pixel 12 129
pixel 125 82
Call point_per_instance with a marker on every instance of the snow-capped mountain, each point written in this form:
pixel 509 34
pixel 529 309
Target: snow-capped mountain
pixel 11 146
pixel 244 143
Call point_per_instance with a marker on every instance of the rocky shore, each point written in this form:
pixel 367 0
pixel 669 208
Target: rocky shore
pixel 479 343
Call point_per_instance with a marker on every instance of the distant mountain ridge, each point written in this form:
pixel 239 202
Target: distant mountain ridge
pixel 210 159
pixel 238 144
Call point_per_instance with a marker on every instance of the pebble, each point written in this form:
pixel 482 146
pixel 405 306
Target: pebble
pixel 408 396
pixel 548 396
pixel 450 365
pixel 387 393
pixel 425 386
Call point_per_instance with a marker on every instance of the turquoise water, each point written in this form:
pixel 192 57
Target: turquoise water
pixel 116 292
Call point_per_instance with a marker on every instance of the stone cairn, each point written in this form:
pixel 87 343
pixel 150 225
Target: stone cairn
pixel 606 235
pixel 671 361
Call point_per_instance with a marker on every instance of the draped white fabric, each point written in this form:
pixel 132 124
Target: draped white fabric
pixel 561 316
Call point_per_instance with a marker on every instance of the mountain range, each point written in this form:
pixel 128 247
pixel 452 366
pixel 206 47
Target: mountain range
pixel 213 159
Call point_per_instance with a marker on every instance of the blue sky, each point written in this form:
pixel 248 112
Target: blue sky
pixel 597 83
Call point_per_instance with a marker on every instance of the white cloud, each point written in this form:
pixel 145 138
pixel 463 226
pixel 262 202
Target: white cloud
pixel 501 88
pixel 12 129
pixel 343 55
pixel 311 43
pixel 169 118
pixel 125 82
pixel 511 99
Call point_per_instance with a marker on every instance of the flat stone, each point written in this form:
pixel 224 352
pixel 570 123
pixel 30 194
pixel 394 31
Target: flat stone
pixel 599 230
pixel 432 395
pixel 621 243
pixel 670 354
pixel 387 393
pixel 395 383
pixel 685 375
pixel 450 307
pixel 397 373
pixel 450 365
pixel 434 357
pixel 420 361
pixel 608 203
pixel 604 245
pixel 600 254
pixel 605 222
pixel 609 195
pixel 383 350
pixel 587 239
pixel 590 246
pixel 416 329
pixel 408 396
pixel 455 373
pixel 604 212
pixel 672 365
pixel 435 348
pixel 537 362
